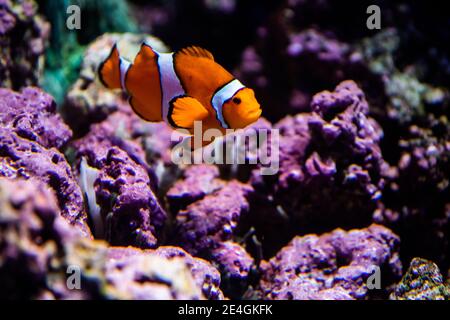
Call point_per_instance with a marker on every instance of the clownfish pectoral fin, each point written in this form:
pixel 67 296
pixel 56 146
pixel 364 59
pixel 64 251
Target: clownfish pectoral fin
pixel 196 52
pixel 109 70
pixel 183 111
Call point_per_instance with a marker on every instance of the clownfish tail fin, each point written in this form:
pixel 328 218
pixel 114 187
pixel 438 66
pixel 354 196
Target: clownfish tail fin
pixel 113 69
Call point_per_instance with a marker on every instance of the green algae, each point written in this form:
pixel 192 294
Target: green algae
pixel 65 52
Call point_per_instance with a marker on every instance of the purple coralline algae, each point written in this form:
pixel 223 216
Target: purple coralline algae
pixel 32 236
pixel 323 57
pixel 204 274
pixel 198 181
pixel 330 167
pixel 38 248
pixel 422 281
pixel 23 38
pixel 31 114
pixel 235 265
pixel 207 226
pixel 417 192
pixel 131 273
pixel 213 219
pixel 31 134
pixel 334 265
pixel 123 186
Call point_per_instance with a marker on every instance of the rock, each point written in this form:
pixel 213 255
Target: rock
pixel 330 169
pixel 130 213
pixel 417 192
pixel 204 274
pixel 31 114
pixel 23 39
pixel 31 139
pixel 40 253
pixel 333 265
pixel 235 264
pixel 32 238
pixel 208 215
pixel 199 181
pixel 134 274
pixel 207 222
pixel 422 281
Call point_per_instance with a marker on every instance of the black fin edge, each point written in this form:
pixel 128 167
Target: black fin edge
pixel 170 111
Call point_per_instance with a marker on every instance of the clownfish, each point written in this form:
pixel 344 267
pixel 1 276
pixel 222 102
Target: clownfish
pixel 180 88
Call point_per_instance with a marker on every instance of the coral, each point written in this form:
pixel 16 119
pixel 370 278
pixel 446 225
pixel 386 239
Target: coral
pixel 130 273
pixel 150 277
pixel 31 115
pixel 404 97
pixel 208 212
pixel 23 39
pixel 330 167
pixel 24 158
pixel 32 236
pixel 130 212
pixel 204 274
pixel 30 134
pixel 213 219
pixel 333 265
pixel 417 193
pixel 422 281
pixel 198 181
pixel 413 114
pixel 37 248
pixel 235 264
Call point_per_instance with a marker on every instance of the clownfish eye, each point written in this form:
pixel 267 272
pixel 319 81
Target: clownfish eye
pixel 236 100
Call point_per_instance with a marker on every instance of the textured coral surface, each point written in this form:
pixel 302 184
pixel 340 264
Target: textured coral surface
pixel 357 122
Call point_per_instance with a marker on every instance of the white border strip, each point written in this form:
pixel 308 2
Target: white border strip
pixel 224 94
pixel 124 66
pixel 170 84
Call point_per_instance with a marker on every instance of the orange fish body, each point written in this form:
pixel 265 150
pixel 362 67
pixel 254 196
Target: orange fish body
pixel 181 88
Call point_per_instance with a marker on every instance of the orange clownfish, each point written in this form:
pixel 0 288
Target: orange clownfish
pixel 180 88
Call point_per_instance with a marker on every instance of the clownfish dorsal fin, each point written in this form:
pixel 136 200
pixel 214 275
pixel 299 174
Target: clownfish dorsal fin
pixel 195 51
pixel 109 69
pixel 184 110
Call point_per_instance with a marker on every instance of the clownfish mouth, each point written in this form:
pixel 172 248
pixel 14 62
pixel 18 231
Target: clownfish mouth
pixel 254 114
